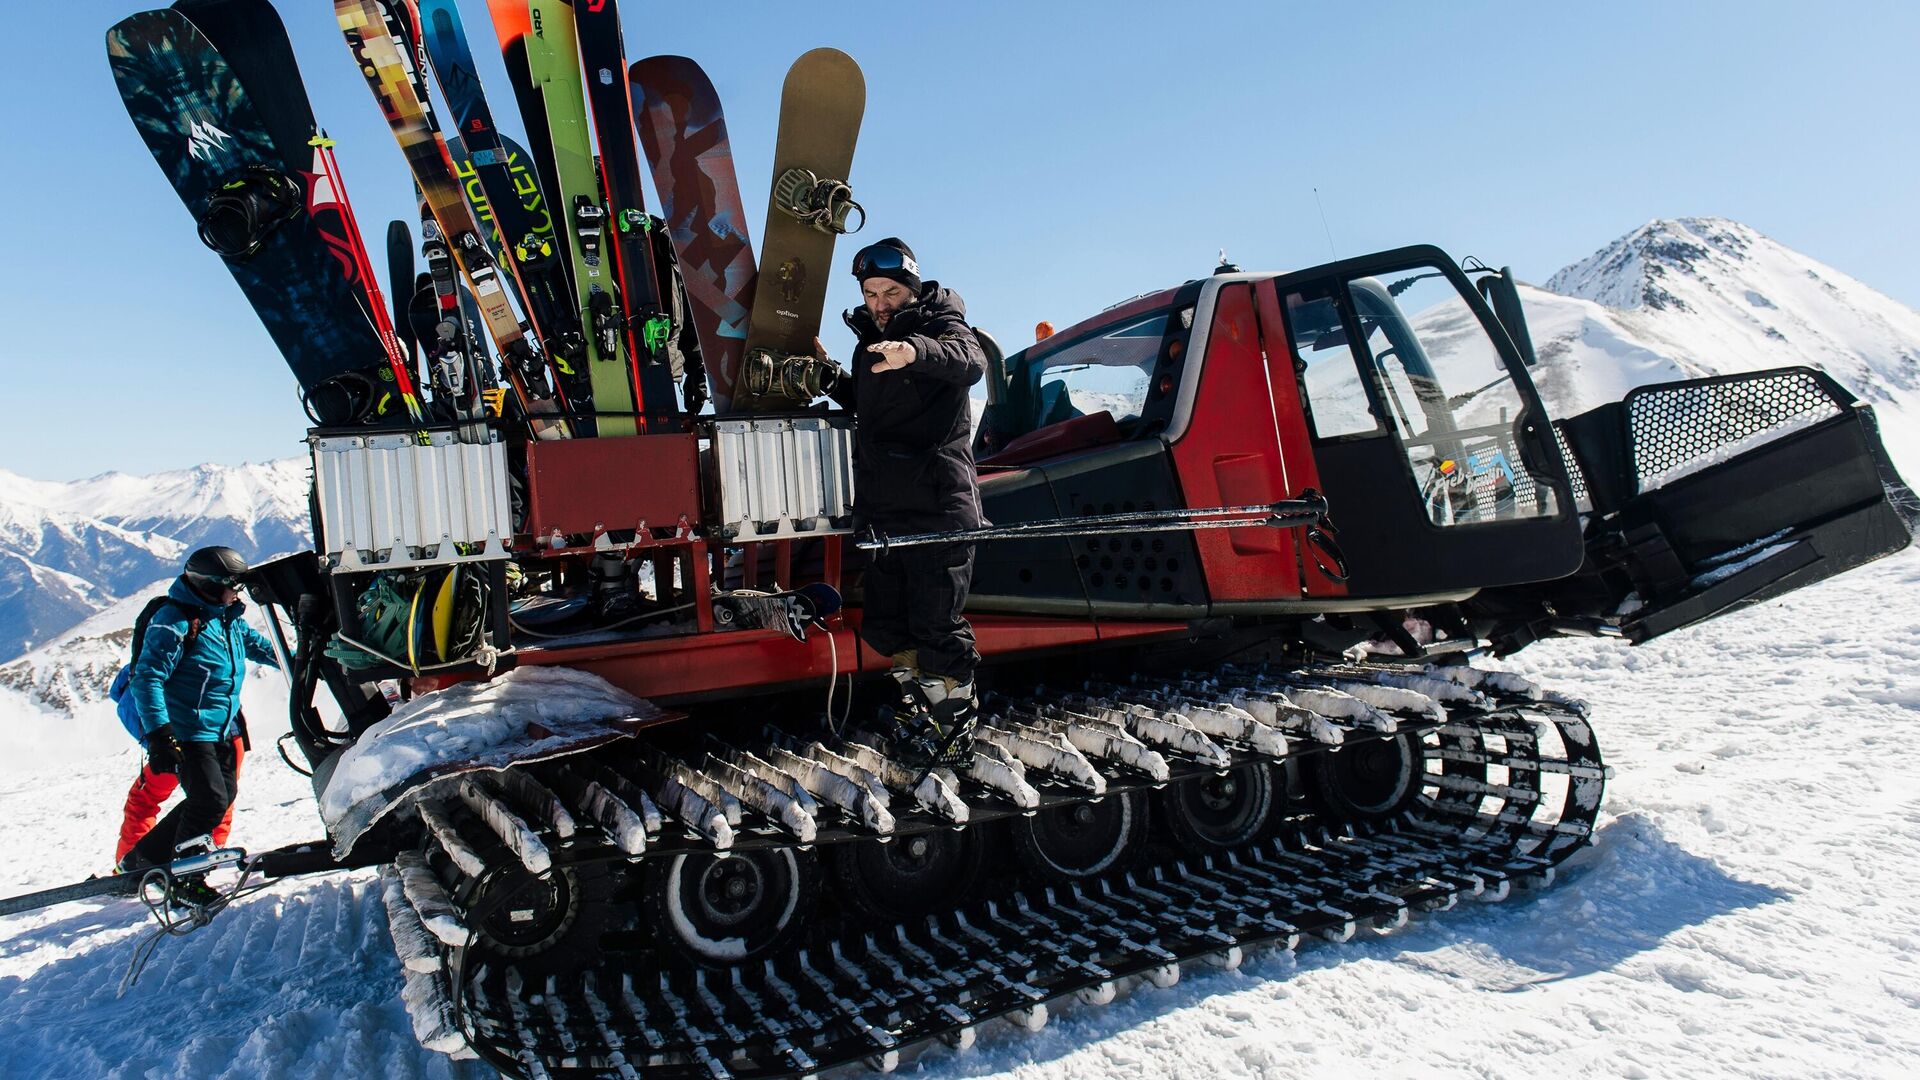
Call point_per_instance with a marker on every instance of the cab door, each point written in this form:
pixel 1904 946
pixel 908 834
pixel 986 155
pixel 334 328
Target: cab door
pixel 1429 440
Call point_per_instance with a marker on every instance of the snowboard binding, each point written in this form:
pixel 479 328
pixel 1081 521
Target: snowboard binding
pixel 245 210
pixel 931 724
pixel 822 203
pixel 796 378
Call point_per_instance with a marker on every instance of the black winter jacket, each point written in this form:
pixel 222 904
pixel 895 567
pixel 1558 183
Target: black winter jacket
pixel 913 443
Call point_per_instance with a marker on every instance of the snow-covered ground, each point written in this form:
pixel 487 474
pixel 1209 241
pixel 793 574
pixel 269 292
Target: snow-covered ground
pixel 1751 908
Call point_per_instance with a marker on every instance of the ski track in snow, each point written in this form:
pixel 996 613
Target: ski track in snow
pixel 1751 907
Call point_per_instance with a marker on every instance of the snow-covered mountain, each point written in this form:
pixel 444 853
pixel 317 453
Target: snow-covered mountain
pixel 68 550
pixel 1682 298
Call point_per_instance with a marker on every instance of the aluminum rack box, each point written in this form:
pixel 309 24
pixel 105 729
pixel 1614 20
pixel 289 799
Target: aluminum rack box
pixel 392 500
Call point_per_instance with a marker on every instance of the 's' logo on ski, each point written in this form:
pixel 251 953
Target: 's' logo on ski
pixel 205 141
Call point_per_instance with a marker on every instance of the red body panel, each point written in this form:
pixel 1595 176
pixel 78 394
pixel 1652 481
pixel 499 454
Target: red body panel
pixel 591 485
pixel 1290 415
pixel 665 669
pixel 1233 457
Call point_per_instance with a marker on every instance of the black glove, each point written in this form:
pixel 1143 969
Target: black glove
pixel 163 753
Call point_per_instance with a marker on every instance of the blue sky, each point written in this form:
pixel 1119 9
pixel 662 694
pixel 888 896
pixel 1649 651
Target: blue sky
pixel 1045 159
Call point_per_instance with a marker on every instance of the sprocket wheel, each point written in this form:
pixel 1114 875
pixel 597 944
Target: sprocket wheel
pixel 718 909
pixel 546 922
pixel 1217 813
pixel 910 875
pixel 1081 840
pixel 1370 780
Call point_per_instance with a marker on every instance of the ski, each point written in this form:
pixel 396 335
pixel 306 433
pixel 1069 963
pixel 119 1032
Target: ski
pixel 646 318
pixel 684 133
pixel 329 191
pixel 386 67
pixel 121 884
pixel 809 207
pixel 252 199
pixel 506 197
pixel 553 65
pixel 400 283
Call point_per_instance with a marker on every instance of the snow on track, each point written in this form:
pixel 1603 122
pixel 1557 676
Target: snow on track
pixel 1751 907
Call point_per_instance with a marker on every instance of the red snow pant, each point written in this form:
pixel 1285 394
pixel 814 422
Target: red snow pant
pixel 151 789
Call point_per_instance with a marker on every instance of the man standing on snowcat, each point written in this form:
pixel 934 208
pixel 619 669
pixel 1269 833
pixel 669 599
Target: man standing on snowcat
pixel 186 684
pixel 913 473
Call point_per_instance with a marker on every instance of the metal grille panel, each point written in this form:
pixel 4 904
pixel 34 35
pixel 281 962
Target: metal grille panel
pixel 1681 429
pixel 784 477
pixel 1578 479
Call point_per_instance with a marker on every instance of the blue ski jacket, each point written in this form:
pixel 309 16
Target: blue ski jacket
pixel 195 687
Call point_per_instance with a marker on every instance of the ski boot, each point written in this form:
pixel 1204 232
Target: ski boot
pixel 937 732
pixel 190 890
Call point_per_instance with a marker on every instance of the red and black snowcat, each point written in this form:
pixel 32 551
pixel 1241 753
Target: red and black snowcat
pixel 604 717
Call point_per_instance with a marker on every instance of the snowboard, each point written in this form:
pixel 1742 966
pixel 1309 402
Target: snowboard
pixel 820 110
pixel 506 197
pixel 684 133
pixel 647 318
pixel 553 65
pixel 388 71
pixel 204 130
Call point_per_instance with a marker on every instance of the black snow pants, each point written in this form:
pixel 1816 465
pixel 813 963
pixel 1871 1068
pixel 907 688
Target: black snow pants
pixel 206 771
pixel 912 600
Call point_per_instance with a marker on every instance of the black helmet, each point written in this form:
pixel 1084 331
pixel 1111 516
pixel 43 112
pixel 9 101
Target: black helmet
pixel 214 568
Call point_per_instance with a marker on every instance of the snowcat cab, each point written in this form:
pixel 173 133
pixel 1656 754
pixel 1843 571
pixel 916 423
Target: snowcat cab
pixel 1398 389
pixel 1423 433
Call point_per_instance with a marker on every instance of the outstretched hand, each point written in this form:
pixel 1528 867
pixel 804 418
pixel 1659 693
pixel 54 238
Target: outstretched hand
pixel 894 355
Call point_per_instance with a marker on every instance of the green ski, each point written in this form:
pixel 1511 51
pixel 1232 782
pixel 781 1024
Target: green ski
pixel 553 62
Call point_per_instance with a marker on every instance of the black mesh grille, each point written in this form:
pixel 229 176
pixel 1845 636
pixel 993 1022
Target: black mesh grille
pixel 1578 478
pixel 1681 429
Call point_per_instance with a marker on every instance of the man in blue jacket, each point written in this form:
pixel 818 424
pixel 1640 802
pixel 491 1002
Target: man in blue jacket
pixel 186 682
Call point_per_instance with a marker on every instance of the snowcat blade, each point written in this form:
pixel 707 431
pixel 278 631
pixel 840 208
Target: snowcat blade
pixel 1711 495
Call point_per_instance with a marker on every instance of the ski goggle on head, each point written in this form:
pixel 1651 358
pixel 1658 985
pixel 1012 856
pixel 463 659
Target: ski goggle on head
pixel 881 258
pixel 214 581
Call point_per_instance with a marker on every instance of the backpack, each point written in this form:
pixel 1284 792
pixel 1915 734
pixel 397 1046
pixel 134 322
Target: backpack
pixel 128 710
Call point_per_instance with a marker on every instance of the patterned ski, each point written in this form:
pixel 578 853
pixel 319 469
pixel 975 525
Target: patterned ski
pixel 553 66
pixel 507 199
pixel 648 324
pixel 388 70
pixel 684 132
pixel 204 131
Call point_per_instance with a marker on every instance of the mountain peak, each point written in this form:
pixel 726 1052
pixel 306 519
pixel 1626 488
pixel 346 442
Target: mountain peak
pixel 1643 269
pixel 1706 295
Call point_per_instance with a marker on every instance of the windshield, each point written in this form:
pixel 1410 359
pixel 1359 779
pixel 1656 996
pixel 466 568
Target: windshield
pixel 1108 370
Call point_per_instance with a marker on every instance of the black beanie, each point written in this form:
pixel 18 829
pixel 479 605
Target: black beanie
pixel 890 258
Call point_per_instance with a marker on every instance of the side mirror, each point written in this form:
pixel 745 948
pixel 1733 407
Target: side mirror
pixel 1504 298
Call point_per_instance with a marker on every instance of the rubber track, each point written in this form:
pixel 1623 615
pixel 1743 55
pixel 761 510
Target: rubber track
pixel 845 996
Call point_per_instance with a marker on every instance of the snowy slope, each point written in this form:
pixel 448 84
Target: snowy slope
pixel 1749 909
